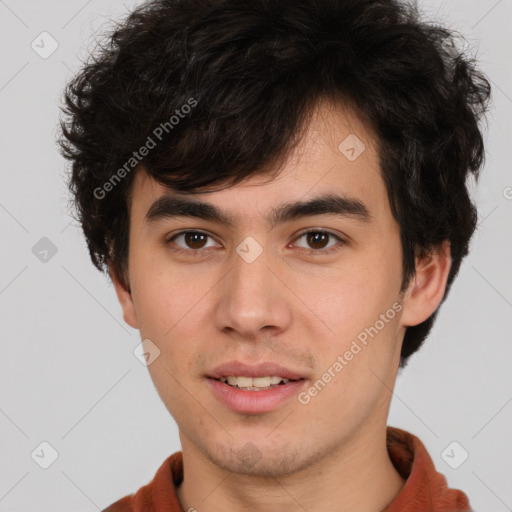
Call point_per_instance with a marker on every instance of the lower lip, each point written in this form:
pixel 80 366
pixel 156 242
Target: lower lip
pixel 254 402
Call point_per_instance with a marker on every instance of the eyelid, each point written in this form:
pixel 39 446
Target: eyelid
pixel 321 230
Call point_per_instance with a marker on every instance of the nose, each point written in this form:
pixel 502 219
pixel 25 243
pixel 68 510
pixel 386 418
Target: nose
pixel 252 298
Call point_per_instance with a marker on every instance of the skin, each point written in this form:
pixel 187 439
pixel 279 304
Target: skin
pixel 288 306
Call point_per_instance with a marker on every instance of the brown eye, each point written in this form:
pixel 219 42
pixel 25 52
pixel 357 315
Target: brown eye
pixel 191 241
pixel 318 241
pixel 195 240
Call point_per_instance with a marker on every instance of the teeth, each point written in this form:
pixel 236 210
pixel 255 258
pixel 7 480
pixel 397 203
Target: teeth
pixel 257 382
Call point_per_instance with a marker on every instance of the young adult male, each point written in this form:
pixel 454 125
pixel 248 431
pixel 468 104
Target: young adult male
pixel 278 190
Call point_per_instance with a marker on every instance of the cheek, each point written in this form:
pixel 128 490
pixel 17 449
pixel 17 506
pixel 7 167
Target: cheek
pixel 356 371
pixel 161 294
pixel 359 305
pixel 352 296
pixel 170 310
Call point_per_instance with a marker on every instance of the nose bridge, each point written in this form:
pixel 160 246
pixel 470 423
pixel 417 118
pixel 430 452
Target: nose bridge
pixel 251 299
pixel 250 275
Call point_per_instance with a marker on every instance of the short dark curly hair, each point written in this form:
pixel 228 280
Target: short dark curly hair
pixel 250 73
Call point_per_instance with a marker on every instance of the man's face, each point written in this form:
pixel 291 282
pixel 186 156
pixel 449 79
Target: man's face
pixel 274 300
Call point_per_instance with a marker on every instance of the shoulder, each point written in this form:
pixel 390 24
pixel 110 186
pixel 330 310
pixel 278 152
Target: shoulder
pixel 160 490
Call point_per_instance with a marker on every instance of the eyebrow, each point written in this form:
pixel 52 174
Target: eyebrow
pixel 168 206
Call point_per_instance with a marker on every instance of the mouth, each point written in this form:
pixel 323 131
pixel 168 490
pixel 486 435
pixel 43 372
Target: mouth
pixel 255 399
pixel 254 389
pixel 259 384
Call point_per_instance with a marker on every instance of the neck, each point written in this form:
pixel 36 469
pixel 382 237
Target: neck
pixel 357 477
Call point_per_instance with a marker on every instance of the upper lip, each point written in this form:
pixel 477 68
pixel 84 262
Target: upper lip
pixel 267 369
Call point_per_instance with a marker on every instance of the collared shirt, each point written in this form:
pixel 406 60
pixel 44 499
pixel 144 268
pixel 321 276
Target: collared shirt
pixel 425 489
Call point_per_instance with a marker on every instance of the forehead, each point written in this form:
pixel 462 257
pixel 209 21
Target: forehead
pixel 336 152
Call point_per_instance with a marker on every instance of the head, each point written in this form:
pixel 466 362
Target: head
pixel 250 106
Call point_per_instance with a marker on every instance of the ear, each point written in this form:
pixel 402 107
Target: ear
pixel 427 287
pixel 125 299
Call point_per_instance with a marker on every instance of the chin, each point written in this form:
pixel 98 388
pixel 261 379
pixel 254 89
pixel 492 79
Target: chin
pixel 247 458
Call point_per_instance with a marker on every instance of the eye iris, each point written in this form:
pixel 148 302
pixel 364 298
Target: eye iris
pixel 317 237
pixel 191 240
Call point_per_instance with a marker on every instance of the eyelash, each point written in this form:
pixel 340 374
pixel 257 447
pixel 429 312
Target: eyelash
pixel 197 252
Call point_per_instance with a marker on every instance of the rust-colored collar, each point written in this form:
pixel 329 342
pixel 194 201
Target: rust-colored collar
pixel 425 489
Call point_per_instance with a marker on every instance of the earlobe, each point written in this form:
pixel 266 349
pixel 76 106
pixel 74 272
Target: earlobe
pixel 427 287
pixel 125 299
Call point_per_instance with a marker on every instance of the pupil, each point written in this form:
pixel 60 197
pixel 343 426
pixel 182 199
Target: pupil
pixel 313 238
pixel 192 239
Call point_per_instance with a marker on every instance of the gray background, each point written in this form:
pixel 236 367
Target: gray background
pixel 68 373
